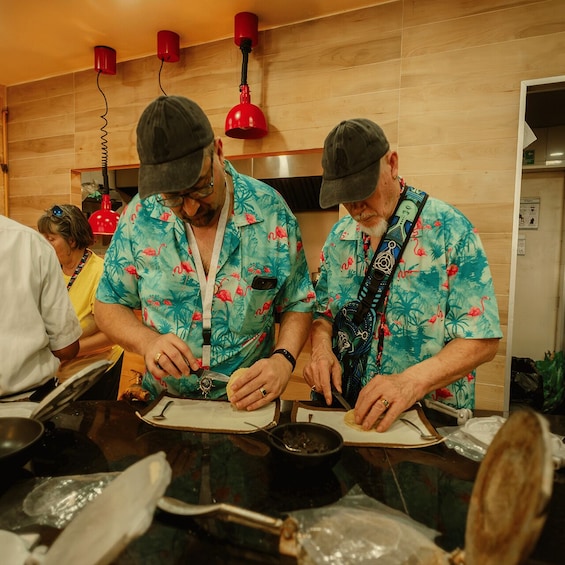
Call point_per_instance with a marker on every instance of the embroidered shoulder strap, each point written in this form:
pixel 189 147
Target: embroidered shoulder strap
pixel 354 323
pixel 389 251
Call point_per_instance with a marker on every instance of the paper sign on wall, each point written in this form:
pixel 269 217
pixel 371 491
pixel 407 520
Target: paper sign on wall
pixel 529 213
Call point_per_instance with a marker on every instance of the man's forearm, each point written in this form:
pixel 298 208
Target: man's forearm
pixel 321 334
pixel 121 326
pixel 293 331
pixel 454 361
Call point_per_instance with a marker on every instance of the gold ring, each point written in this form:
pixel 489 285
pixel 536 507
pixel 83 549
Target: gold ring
pixel 385 402
pixel 263 391
pixel 156 359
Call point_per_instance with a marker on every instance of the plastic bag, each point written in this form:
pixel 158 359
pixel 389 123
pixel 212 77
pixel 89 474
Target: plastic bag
pixel 473 439
pixel 552 371
pixel 57 500
pixel 526 385
pixel 359 529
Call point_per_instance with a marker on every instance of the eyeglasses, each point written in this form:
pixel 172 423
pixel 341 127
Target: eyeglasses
pixel 57 211
pixel 196 193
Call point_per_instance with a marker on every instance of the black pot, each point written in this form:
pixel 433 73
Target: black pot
pixel 18 438
pixel 320 446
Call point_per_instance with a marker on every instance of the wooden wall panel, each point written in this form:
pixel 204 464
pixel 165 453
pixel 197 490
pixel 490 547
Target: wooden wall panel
pixel 431 11
pixel 441 76
pixel 532 19
pixel 41 89
pixel 457 187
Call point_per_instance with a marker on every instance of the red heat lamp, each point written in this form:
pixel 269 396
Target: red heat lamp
pixel 105 220
pixel 245 120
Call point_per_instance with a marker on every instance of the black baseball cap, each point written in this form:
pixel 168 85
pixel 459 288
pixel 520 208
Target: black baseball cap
pixel 172 134
pixel 351 161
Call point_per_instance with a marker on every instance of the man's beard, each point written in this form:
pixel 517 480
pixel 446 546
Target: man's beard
pixel 376 231
pixel 202 218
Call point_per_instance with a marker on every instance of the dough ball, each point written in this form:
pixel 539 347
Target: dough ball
pixel 349 419
pixel 234 376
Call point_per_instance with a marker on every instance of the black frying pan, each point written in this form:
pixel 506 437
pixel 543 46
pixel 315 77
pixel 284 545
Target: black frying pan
pixel 18 437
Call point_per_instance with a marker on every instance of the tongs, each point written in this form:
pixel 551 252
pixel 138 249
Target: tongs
pixel 286 529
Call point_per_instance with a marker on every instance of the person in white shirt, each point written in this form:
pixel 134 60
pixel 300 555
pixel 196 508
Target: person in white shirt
pixel 38 324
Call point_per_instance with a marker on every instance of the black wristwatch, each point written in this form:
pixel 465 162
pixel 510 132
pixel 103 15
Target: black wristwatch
pixel 287 354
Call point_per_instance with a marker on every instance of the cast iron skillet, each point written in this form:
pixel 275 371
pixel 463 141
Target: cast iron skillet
pixel 18 438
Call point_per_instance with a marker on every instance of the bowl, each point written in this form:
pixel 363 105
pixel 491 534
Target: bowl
pixel 18 436
pixel 318 445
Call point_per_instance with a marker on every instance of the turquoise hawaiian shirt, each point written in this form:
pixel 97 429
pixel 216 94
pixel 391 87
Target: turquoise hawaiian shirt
pixel 149 266
pixel 441 290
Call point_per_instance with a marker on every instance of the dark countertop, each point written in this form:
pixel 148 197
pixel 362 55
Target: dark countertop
pixel 433 485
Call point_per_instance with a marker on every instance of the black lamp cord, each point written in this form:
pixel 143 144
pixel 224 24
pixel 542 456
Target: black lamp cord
pixel 162 63
pixel 104 141
pixel 245 47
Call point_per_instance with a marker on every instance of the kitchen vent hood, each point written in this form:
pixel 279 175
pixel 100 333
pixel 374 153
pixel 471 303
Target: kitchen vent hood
pixel 297 176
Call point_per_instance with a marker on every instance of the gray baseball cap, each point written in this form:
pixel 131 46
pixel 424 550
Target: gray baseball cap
pixel 172 134
pixel 351 161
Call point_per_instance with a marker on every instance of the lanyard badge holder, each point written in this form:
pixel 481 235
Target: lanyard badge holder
pixel 205 383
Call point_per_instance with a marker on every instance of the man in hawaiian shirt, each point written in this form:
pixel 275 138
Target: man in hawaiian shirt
pixel 207 255
pixel 440 317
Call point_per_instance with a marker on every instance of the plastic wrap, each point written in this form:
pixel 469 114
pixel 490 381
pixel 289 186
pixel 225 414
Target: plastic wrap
pixel 56 501
pixel 359 529
pixel 473 439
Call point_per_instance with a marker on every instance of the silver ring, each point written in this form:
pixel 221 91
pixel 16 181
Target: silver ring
pixel 313 388
pixel 385 402
pixel 263 391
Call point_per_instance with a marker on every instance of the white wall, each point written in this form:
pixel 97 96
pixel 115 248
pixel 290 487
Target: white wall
pixel 539 271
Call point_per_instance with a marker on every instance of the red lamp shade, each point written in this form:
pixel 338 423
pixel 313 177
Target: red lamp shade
pixel 105 221
pixel 245 120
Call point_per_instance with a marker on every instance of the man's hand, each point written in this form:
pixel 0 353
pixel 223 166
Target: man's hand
pixel 323 368
pixel 262 383
pixel 167 354
pixel 387 396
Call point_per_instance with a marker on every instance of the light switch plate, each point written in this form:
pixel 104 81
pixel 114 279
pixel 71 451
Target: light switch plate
pixel 521 245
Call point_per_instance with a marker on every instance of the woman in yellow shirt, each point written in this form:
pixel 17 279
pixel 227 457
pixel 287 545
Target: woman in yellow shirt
pixel 66 228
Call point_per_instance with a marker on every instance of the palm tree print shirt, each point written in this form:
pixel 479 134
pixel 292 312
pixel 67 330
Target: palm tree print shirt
pixel 149 266
pixel 441 290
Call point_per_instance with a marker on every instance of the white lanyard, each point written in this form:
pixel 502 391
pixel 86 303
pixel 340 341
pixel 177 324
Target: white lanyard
pixel 207 283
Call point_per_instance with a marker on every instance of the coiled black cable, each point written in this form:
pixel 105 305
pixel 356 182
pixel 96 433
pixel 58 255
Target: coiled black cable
pixel 103 138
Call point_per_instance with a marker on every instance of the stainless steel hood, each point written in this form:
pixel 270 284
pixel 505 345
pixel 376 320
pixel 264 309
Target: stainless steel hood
pixel 297 176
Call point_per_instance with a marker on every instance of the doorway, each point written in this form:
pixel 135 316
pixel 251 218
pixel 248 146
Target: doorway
pixel 536 321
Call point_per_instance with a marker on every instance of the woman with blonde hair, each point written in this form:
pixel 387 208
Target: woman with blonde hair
pixel 66 228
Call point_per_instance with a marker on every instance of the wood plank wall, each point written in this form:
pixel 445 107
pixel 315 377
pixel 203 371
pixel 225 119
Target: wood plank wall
pixel 441 76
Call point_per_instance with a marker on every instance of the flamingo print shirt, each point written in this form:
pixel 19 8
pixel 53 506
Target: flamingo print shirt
pixel 149 266
pixel 441 290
